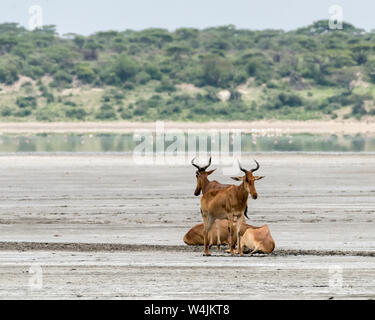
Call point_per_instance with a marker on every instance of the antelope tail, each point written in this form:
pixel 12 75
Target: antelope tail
pixel 245 213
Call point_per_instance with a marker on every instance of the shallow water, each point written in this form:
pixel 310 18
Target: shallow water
pixel 104 142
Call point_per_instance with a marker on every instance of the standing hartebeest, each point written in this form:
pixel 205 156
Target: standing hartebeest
pixel 229 203
pixel 257 239
pixel 204 185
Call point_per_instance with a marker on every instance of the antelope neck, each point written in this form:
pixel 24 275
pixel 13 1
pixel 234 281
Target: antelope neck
pixel 243 194
pixel 205 183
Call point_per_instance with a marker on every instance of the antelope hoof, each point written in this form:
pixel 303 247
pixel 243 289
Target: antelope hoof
pixel 206 254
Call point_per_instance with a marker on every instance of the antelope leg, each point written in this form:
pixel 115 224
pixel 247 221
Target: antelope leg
pixel 238 231
pixel 218 243
pixel 230 221
pixel 207 221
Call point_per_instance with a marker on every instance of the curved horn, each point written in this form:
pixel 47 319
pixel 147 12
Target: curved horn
pixel 192 162
pixel 242 169
pixel 209 163
pixel 253 170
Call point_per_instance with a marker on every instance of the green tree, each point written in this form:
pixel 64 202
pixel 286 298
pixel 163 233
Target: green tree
pixel 126 68
pixel 85 73
pixel 216 71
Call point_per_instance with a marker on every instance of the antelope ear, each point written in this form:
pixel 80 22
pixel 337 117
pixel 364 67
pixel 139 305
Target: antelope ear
pixel 210 172
pixel 238 178
pixel 258 178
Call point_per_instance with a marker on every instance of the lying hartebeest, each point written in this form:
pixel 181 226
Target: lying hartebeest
pixel 194 236
pixel 204 185
pixel 257 239
pixel 229 203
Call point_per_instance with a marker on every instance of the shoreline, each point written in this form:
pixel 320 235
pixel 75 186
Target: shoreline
pixel 129 247
pixel 291 127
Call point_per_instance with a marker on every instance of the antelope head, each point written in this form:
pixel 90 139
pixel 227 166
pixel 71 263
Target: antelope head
pixel 201 175
pixel 249 179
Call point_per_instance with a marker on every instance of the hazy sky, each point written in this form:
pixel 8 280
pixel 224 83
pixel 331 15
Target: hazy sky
pixel 88 16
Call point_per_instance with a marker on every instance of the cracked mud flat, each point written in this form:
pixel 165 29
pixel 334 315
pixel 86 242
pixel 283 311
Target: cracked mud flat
pixel 100 227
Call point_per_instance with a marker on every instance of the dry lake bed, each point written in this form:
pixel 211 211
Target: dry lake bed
pixel 97 226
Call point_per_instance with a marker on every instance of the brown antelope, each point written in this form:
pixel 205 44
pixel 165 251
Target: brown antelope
pixel 229 203
pixel 257 239
pixel 204 185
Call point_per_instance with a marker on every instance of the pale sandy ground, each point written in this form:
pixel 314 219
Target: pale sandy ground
pixel 311 126
pixel 100 227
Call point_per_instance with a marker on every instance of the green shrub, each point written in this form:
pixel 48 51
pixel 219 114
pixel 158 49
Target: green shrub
pixel 142 77
pixel 154 101
pixel 240 77
pixel 117 95
pixel 334 116
pixel 106 112
pixel 223 109
pixel 24 112
pixel 153 71
pixel 76 113
pixel 235 95
pixel 70 103
pixel 140 108
pixel 6 111
pixel 260 68
pixel 273 104
pixel 106 98
pixel 8 74
pixel 46 114
pixel 202 109
pixel 165 86
pixel 358 110
pixel 169 110
pixel 291 99
pixel 271 85
pixel 61 78
pixel 85 73
pixel 216 71
pixel 126 114
pixel 128 86
pixel 34 72
pixel 24 102
pixel 211 95
pixel 125 67
pixel 49 96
